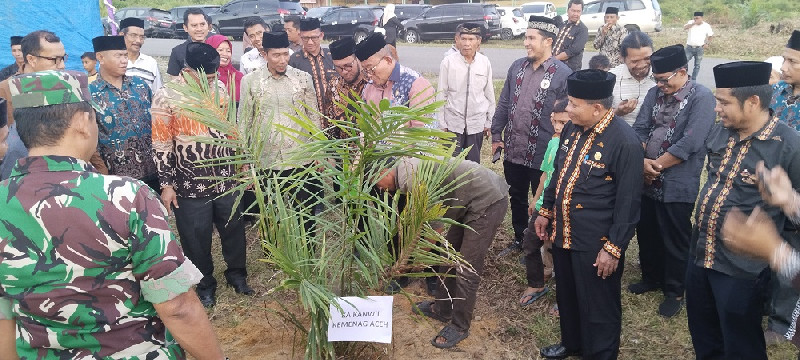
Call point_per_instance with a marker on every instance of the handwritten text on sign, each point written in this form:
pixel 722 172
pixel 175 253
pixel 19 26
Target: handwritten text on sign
pixel 368 319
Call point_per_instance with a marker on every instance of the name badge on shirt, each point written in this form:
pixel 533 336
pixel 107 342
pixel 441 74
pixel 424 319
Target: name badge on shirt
pixel 545 84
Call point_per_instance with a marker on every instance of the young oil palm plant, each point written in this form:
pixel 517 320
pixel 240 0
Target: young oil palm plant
pixel 350 252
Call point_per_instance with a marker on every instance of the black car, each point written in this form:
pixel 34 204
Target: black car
pixel 348 22
pixel 410 11
pixel 319 12
pixel 229 19
pixel 177 15
pixel 157 22
pixel 440 22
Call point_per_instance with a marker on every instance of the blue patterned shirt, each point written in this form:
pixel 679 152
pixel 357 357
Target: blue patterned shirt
pixel 125 135
pixel 786 105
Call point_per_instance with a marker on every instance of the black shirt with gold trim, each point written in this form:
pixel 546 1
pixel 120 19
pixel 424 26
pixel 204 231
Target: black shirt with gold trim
pixel 732 183
pixel 593 199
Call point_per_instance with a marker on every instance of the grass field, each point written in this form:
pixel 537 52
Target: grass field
pixel 249 328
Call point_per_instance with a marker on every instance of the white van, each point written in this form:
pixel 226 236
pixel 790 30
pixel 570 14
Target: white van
pixel 641 15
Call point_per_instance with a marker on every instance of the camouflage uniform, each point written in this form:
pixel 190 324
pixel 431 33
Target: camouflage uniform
pixel 84 256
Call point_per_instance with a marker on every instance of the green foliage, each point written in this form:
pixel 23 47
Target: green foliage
pixel 746 13
pixel 349 253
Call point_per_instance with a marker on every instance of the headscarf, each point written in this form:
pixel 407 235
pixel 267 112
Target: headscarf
pixel 228 72
pixel 388 13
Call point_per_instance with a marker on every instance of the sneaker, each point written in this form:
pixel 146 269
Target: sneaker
pixel 670 307
pixel 642 287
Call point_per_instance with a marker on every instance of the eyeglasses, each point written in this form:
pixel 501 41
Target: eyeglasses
pixel 665 81
pixel 371 71
pixel 638 91
pixel 348 67
pixel 310 38
pixel 57 59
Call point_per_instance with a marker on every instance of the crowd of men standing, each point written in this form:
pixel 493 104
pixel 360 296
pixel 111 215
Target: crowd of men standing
pixel 605 154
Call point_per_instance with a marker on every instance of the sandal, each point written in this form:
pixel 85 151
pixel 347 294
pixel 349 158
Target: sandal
pixel 425 308
pixel 554 311
pixel 451 335
pixel 533 297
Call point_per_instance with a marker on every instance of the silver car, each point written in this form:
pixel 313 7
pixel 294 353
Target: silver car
pixel 641 15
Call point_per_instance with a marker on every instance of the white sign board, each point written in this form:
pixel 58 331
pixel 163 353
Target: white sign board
pixel 368 319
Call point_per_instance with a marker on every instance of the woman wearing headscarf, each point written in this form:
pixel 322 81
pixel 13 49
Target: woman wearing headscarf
pixel 227 72
pixel 390 23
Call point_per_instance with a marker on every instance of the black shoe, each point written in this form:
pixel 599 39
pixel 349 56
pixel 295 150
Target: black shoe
pixel 396 285
pixel 670 307
pixel 642 287
pixel 513 247
pixel 240 287
pixel 207 298
pixel 557 351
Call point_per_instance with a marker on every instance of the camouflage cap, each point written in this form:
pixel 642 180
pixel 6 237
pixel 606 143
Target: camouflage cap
pixel 50 87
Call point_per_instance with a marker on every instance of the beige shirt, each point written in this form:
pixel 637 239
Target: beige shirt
pixel 267 103
pixel 468 92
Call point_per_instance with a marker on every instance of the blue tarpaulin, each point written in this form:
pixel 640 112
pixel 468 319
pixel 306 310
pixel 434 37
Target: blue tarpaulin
pixel 76 22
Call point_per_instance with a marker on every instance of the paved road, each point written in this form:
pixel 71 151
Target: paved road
pixel 426 59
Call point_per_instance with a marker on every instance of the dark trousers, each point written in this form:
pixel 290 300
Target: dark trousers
pixel 464 141
pixel 521 180
pixel 782 295
pixel 590 306
pixel 663 232
pixel 303 197
pixel 725 314
pixel 534 267
pixel 456 295
pixel 195 219
pixel 153 183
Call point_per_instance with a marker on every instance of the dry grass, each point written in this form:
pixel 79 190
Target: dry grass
pixel 248 324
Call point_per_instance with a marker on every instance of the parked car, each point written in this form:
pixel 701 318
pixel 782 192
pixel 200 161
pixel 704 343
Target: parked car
pixel 642 15
pixel 229 19
pixel 157 22
pixel 319 12
pixel 177 15
pixel 405 12
pixel 512 22
pixel 440 21
pixel 538 8
pixel 376 9
pixel 348 22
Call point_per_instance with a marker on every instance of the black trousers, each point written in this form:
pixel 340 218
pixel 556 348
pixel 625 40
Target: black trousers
pixel 590 306
pixel 782 295
pixel 725 314
pixel 195 219
pixel 303 197
pixel 534 266
pixel 153 183
pixel 664 232
pixel 464 141
pixel 522 181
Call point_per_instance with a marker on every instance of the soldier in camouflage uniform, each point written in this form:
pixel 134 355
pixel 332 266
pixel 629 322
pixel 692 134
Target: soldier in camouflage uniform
pixel 89 268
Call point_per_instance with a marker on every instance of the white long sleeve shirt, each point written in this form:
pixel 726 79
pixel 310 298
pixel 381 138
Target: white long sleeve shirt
pixel 468 90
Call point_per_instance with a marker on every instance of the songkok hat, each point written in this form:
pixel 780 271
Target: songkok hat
pixel 543 23
pixel 742 73
pixel 668 59
pixel 309 24
pixel 794 41
pixel 16 40
pixel 369 46
pixel 470 29
pixel 591 84
pixel 201 56
pixel 51 87
pixel 128 22
pixel 104 43
pixel 612 10
pixel 275 40
pixel 342 48
pixel 698 13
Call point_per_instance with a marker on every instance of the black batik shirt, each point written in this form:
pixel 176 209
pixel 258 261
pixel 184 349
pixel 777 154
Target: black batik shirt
pixel 321 69
pixel 732 183
pixel 593 199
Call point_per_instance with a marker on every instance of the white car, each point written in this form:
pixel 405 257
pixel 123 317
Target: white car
pixel 512 22
pixel 538 8
pixel 641 15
